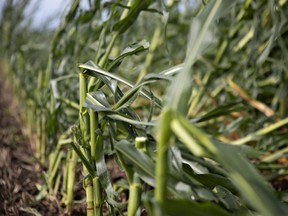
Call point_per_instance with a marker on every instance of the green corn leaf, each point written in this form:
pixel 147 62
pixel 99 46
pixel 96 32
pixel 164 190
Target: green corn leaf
pixel 261 132
pixel 123 24
pixel 68 102
pixel 187 208
pixel 275 155
pixel 219 111
pixel 132 49
pixel 262 58
pixel 96 100
pixel 177 96
pixel 136 157
pixel 211 180
pixel 108 81
pixel 243 175
pixel 173 70
pixel 93 71
pixel 153 77
pixel 182 131
pixel 102 173
pixel 120 117
pixel 230 201
pixel 83 159
pixel 128 98
pixel 205 194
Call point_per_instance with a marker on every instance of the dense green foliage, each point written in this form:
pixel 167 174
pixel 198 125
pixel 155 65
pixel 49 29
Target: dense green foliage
pixel 189 100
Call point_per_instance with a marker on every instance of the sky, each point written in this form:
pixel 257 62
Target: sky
pixel 48 10
pixel 44 11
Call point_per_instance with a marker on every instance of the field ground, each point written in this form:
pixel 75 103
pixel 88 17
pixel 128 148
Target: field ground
pixel 19 171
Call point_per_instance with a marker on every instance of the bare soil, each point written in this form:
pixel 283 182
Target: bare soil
pixel 20 173
pixel 19 170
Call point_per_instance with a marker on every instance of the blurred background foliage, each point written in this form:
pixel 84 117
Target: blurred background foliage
pixel 238 96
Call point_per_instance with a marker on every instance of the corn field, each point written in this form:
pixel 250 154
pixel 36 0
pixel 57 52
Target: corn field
pixel 186 100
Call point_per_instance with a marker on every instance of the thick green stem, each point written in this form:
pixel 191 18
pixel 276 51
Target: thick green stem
pixel 94 147
pixel 65 175
pixel 140 143
pixel 135 187
pixel 57 183
pixel 88 184
pixel 43 139
pixel 52 159
pixel 55 168
pixel 134 195
pixel 93 137
pixel 93 142
pixel 162 158
pixel 83 116
pixel 94 125
pixel 84 127
pixel 71 180
pixel 97 196
pixel 82 92
pixel 89 196
pixel 38 132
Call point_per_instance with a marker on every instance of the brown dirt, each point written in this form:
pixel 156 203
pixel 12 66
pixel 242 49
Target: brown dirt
pixel 20 172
